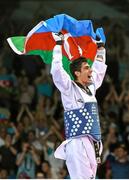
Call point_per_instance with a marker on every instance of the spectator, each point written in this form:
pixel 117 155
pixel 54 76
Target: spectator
pixel 27 91
pixel 63 173
pixel 119 169
pixel 26 117
pixel 31 138
pixel 3 134
pixel 27 161
pixel 8 155
pixel 111 139
pixel 112 99
pixel 56 164
pixel 3 174
pixel 40 175
pixel 19 135
pixel 46 169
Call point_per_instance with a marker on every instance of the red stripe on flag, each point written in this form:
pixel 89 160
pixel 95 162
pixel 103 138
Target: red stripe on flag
pixel 89 48
pixel 44 41
pixel 40 41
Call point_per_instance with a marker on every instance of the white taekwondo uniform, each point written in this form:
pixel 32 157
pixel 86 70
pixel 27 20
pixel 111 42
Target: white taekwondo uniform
pixel 78 152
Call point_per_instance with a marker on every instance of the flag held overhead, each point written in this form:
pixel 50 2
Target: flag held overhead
pixel 79 39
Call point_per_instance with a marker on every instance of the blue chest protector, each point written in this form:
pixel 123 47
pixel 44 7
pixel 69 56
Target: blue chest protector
pixel 83 121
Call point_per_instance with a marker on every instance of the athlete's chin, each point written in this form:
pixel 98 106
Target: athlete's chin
pixel 89 82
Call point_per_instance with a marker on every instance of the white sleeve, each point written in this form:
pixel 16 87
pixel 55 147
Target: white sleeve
pixel 99 68
pixel 60 77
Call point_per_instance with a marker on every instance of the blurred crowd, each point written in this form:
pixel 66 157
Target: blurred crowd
pixel 31 113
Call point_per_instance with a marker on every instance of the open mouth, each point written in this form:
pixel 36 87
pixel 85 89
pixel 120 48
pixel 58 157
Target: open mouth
pixel 89 77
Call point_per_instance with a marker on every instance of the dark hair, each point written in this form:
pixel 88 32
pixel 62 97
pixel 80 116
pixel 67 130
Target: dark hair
pixel 123 146
pixel 76 66
pixel 31 131
pixel 47 162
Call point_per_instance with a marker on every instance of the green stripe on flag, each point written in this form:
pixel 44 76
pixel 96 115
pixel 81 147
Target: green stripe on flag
pixel 19 42
pixel 45 55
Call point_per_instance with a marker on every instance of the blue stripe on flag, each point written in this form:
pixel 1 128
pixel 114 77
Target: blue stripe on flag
pixel 74 27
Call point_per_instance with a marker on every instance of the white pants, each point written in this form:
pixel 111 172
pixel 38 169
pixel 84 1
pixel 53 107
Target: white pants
pixel 80 158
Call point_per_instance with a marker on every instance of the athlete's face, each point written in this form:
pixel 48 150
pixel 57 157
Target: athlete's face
pixel 84 76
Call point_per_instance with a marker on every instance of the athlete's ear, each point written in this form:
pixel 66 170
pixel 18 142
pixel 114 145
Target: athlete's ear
pixel 77 73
